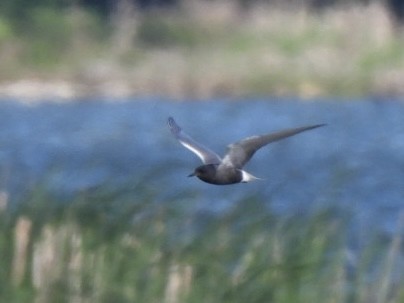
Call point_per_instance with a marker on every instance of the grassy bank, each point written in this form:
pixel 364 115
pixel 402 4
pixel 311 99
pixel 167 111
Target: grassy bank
pixel 203 52
pixel 114 247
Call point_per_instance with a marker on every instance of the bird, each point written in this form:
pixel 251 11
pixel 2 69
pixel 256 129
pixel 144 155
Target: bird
pixel 228 170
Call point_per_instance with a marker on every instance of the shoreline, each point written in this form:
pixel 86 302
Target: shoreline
pixel 34 91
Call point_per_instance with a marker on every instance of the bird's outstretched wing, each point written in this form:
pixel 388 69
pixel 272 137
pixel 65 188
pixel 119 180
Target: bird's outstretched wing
pixel 205 154
pixel 240 152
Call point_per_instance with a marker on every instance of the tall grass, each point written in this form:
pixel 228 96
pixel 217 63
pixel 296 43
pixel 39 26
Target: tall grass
pixel 216 49
pixel 114 247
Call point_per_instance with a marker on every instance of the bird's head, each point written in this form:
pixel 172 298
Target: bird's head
pixel 204 171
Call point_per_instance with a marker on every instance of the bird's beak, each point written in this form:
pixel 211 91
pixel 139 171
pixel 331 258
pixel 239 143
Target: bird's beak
pixel 192 175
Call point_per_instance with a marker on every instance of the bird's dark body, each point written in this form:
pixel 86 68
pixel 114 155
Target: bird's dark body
pixel 218 174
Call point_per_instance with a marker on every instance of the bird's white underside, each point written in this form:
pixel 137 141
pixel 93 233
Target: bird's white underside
pixel 195 151
pixel 246 177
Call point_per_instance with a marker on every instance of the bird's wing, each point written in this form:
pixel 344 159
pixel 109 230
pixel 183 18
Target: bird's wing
pixel 240 152
pixel 205 154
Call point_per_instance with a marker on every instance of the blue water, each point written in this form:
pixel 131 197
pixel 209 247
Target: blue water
pixel 355 163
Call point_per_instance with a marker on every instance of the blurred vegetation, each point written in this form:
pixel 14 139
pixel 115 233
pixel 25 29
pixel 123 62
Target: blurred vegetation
pixel 123 246
pixel 205 48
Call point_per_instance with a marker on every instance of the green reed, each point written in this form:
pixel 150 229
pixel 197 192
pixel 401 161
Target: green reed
pixel 123 246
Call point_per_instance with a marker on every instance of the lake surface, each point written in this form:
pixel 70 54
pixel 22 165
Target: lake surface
pixel 355 163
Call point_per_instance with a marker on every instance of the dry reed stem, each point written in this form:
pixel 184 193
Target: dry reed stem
pixel 179 283
pixel 22 235
pixel 392 259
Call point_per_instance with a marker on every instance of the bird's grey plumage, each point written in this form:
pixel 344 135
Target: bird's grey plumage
pixel 239 153
pixel 229 170
pixel 205 154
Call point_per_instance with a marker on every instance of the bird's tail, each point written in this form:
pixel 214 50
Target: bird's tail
pixel 247 177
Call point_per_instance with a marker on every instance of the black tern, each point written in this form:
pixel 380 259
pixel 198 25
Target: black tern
pixel 228 170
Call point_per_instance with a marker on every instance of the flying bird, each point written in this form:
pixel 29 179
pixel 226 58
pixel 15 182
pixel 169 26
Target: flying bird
pixel 228 170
